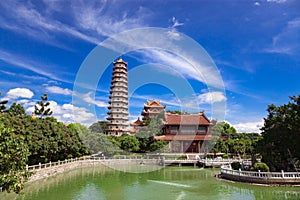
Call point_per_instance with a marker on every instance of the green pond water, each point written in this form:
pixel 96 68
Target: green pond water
pixel 174 183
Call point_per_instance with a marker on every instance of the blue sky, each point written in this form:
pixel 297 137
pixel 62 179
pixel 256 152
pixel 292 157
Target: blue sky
pixel 255 46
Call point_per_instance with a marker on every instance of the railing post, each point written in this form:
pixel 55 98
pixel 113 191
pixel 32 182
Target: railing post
pixel 282 173
pixel 58 162
pixel 258 173
pixel 50 163
pixel 40 166
pixel 26 167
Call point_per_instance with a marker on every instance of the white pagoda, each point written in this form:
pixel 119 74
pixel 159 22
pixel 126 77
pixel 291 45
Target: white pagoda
pixel 118 103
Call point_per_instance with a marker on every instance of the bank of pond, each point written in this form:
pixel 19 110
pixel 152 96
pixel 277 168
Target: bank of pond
pixel 171 182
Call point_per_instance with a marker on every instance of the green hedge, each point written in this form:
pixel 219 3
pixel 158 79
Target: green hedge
pixel 263 167
pixel 236 165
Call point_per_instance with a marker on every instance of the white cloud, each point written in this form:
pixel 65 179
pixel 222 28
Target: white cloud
pixel 287 41
pixel 257 3
pixel 187 66
pixel 19 93
pixel 58 90
pixel 211 97
pixel 184 55
pixel 90 21
pixel 67 113
pixel 88 98
pixel 107 22
pixel 29 64
pixel 249 127
pixel 27 19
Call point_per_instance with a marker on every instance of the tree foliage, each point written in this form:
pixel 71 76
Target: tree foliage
pixel 223 128
pixel 47 139
pixel 99 127
pixel 177 112
pixel 230 141
pixel 16 109
pixel 240 144
pixel 280 147
pixel 159 146
pixel 26 140
pixel 42 108
pixel 13 159
pixel 129 143
pixel 3 105
pixel 146 135
pixel 236 165
pixel 97 142
pixel 261 166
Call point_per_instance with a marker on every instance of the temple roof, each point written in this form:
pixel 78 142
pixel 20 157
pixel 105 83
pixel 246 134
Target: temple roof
pixel 154 103
pixel 120 60
pixel 137 122
pixel 188 119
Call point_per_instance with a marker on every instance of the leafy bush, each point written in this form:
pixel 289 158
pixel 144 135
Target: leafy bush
pixel 183 157
pixel 263 167
pixel 225 156
pixel 236 165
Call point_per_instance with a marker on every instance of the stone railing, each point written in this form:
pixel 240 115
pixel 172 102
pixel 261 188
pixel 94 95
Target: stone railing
pixel 260 177
pixel 58 163
pixel 208 162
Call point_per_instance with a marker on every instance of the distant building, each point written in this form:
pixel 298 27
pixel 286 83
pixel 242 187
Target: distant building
pixel 152 108
pixel 136 126
pixel 118 103
pixel 186 133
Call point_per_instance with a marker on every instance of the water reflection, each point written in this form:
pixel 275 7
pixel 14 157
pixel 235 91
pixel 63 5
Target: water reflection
pixel 167 183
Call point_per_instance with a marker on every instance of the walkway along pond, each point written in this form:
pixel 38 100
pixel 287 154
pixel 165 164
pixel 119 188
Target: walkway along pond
pixel 270 178
pixel 121 163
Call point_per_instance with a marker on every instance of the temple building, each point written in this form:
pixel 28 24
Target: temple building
pixel 136 126
pixel 118 103
pixel 152 108
pixel 185 133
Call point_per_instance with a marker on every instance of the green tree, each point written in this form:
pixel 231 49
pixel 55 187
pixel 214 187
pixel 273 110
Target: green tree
pixel 47 139
pixel 99 126
pixel 16 109
pixel 13 158
pixel 42 108
pixel 222 132
pixel 177 112
pixel 129 143
pixel 223 128
pixel 147 133
pixel 280 147
pixel 159 146
pixel 3 105
pixel 97 142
